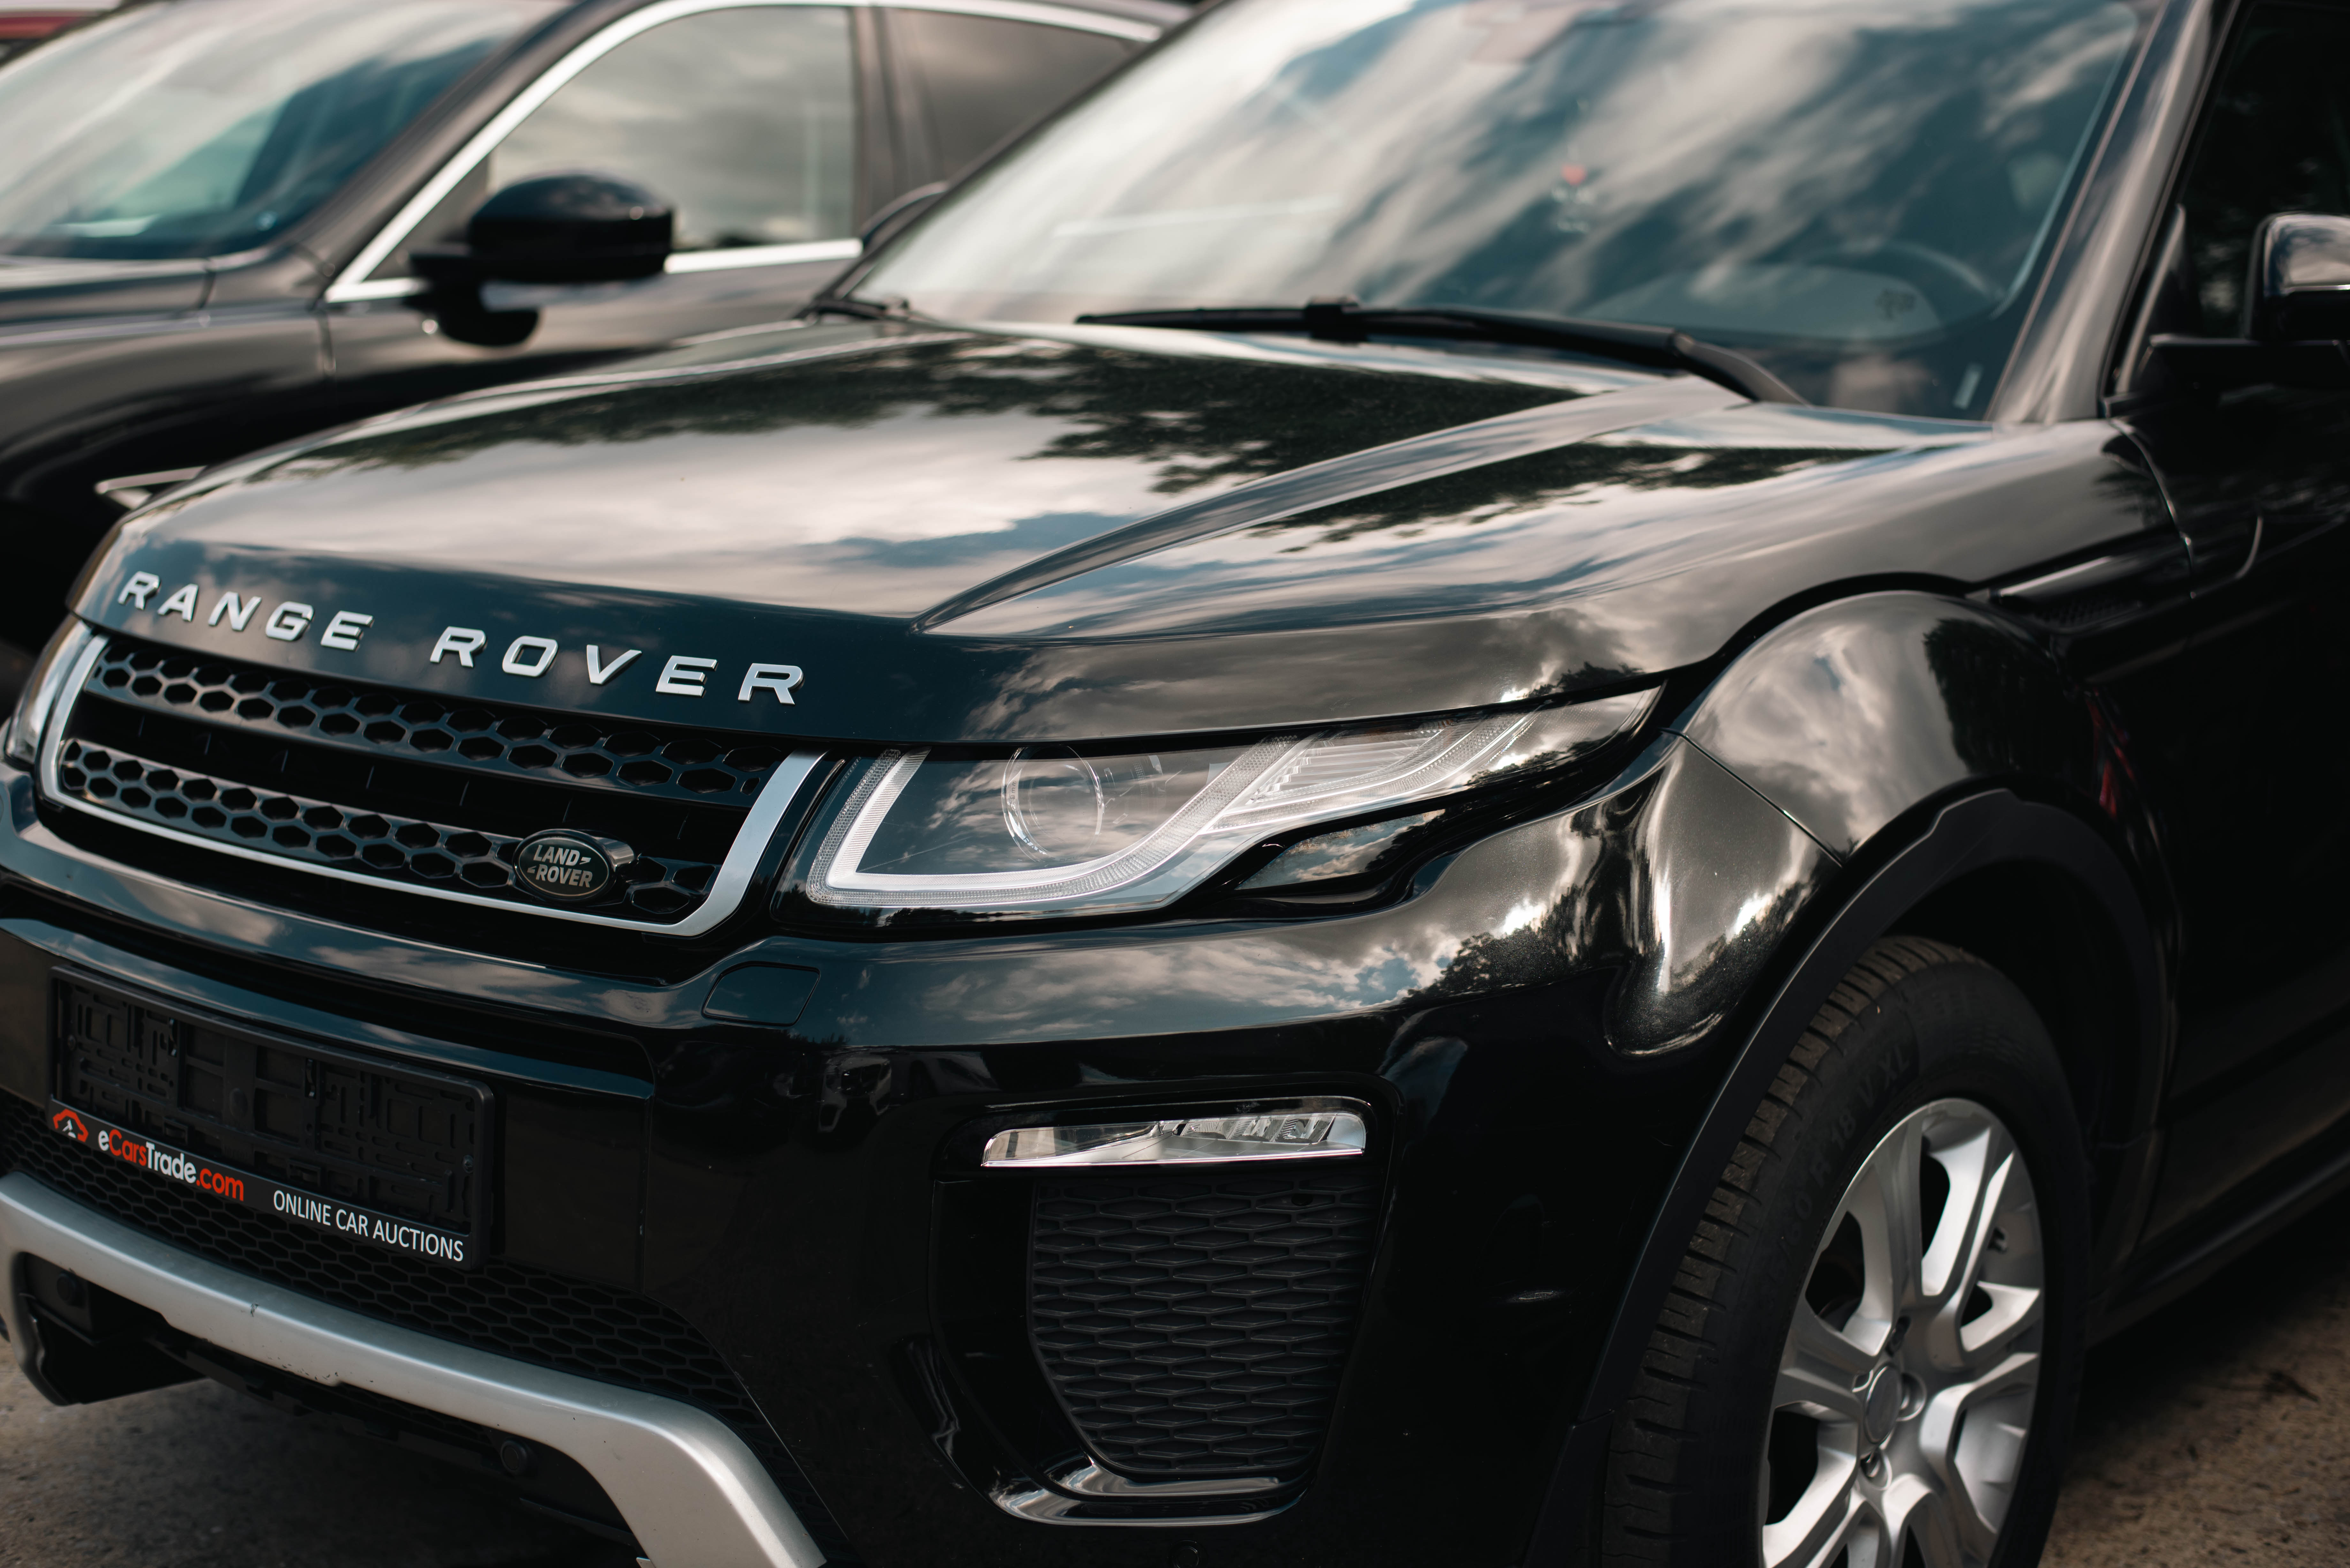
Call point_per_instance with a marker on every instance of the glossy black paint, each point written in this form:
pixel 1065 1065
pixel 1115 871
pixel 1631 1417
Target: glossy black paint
pixel 1031 548
pixel 119 368
pixel 771 1155
pixel 2038 687
pixel 2066 914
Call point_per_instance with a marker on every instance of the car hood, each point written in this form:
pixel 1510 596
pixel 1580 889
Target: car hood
pixel 946 534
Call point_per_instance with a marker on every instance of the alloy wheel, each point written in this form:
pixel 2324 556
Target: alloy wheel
pixel 1907 1384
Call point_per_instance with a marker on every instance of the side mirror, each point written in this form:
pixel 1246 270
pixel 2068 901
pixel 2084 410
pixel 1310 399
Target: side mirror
pixel 2296 312
pixel 2299 286
pixel 556 228
pixel 571 228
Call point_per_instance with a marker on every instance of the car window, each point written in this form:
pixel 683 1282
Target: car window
pixel 192 129
pixel 743 120
pixel 977 79
pixel 2276 138
pixel 1858 195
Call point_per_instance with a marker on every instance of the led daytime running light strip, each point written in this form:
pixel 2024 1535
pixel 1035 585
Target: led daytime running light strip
pixel 1270 806
pixel 1247 796
pixel 844 847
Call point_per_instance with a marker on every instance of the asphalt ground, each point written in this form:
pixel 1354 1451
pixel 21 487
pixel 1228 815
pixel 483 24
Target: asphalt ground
pixel 2216 1431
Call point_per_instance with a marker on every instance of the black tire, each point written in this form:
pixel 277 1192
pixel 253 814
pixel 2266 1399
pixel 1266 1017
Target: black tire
pixel 1915 1022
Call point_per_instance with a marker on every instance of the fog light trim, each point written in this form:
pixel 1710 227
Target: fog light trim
pixel 1314 1130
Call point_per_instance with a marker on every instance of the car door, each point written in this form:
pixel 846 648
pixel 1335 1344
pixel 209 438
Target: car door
pixel 742 116
pixel 2240 737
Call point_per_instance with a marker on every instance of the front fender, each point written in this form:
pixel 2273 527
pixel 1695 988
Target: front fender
pixel 1849 715
pixel 1921 740
pixel 1861 718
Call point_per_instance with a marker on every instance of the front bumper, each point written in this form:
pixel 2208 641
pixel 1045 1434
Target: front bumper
pixel 694 1494
pixel 788 1190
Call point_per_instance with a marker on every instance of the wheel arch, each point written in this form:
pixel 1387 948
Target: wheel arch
pixel 1865 718
pixel 2043 926
pixel 1972 793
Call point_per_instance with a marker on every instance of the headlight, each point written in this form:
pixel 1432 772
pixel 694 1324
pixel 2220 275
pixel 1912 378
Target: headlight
pixel 1050 830
pixel 40 698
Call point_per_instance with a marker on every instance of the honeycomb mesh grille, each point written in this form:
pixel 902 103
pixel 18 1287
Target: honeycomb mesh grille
pixel 513 742
pixel 295 827
pixel 406 789
pixel 1195 1326
pixel 508 1309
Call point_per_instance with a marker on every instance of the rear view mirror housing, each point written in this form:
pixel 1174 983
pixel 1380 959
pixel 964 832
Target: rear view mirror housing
pixel 582 227
pixel 570 228
pixel 2298 286
pixel 2296 313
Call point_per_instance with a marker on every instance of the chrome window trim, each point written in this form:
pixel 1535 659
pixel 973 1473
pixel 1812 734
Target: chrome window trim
pixel 1051 16
pixel 352 283
pixel 678 261
pixel 726 890
pixel 762 256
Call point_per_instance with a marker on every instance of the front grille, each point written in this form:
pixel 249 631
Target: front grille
pixel 405 789
pixel 508 1309
pixel 1195 1326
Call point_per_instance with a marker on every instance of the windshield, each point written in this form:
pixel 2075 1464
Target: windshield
pixel 200 127
pixel 1855 192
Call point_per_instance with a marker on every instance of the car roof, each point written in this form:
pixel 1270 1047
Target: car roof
pixel 1158 13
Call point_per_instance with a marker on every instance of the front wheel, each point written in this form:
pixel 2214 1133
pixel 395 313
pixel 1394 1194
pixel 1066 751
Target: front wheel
pixel 1869 1357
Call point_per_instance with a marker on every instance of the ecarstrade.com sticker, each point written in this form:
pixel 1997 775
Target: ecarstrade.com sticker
pixel 252 1192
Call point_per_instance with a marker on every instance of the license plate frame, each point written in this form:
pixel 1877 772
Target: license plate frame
pixel 374 1149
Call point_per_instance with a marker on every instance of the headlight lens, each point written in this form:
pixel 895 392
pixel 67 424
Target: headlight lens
pixel 1048 830
pixel 40 698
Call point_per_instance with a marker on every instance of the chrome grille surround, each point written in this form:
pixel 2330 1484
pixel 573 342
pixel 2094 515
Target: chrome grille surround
pixel 291 830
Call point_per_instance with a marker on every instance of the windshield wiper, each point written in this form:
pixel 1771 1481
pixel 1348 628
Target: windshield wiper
pixel 1344 321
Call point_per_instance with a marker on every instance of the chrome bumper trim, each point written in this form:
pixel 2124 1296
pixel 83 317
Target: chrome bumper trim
pixel 1199 1502
pixel 693 1495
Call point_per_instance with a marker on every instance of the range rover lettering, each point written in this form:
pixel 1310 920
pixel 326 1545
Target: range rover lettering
pixel 1470 783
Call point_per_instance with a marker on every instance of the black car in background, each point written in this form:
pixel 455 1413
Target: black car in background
pixel 1473 783
pixel 208 207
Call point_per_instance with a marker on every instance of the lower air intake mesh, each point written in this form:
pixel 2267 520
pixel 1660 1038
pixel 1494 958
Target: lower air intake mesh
pixel 509 1309
pixel 1195 1326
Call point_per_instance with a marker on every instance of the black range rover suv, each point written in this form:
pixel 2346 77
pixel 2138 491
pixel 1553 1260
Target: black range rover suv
pixel 1499 784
